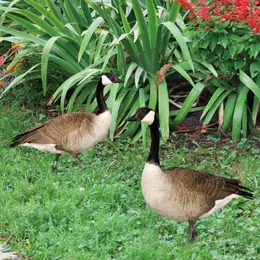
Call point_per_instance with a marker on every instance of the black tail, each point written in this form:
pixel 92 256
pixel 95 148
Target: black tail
pixel 21 138
pixel 243 191
pixel 16 140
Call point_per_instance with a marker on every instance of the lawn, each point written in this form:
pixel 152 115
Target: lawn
pixel 99 212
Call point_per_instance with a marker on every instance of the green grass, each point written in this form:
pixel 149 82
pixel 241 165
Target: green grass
pixel 99 213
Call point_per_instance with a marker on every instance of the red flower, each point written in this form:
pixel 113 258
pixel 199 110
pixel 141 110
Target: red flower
pixel 2 60
pixel 225 10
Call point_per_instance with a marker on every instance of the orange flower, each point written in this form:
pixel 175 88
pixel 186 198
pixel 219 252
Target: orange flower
pixel 16 47
pixel 13 68
pixel 13 56
pixel 1 83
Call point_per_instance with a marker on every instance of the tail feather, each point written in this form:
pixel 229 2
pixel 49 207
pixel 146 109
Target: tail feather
pixel 21 138
pixel 244 193
pixel 234 187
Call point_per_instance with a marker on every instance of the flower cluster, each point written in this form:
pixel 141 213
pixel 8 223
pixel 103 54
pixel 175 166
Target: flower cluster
pixel 246 11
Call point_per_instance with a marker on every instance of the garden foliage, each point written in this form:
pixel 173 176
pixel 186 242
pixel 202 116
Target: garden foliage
pixel 226 35
pixel 69 43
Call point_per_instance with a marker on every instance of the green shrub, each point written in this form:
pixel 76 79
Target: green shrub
pixel 232 48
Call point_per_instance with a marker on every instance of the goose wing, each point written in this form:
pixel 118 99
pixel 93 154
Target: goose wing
pixel 211 186
pixel 55 129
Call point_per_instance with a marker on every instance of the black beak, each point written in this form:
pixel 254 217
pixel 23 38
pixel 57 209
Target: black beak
pixel 118 80
pixel 131 119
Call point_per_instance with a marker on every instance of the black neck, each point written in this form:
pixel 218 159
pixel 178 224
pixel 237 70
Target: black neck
pixel 102 107
pixel 154 150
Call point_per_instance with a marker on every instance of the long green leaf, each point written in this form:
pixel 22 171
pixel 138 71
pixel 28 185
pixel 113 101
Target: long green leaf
pixel 189 101
pixel 228 111
pixel 181 41
pixel 52 18
pixel 244 122
pixel 212 100
pixel 174 10
pixel 142 104
pixel 143 33
pixel 86 12
pixel 153 91
pixel 44 61
pixel 129 72
pixel 163 101
pixel 18 79
pixel 184 74
pixel 215 106
pixel 88 34
pixel 238 112
pixel 249 83
pixel 152 29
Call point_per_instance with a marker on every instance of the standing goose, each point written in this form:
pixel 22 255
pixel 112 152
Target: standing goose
pixel 182 194
pixel 72 133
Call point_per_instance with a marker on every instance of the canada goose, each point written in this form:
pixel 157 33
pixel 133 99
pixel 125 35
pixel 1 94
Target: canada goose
pixel 72 133
pixel 182 194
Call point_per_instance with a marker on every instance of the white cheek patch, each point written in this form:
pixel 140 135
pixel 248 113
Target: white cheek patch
pixel 149 118
pixel 105 80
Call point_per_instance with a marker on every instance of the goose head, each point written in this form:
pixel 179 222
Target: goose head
pixel 109 78
pixel 143 114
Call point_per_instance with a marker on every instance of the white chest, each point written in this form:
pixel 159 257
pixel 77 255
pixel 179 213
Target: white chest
pixel 101 126
pixel 159 194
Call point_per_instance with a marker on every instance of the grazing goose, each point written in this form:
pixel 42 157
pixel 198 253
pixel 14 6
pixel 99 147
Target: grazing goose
pixel 182 194
pixel 72 133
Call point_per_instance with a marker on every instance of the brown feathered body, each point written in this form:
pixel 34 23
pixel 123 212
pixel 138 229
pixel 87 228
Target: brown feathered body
pixel 72 133
pixel 185 194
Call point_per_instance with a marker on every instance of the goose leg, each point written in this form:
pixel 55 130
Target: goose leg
pixel 77 160
pixel 54 164
pixel 192 232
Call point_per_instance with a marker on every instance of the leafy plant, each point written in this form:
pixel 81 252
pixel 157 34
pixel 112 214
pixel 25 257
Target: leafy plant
pixel 74 41
pixel 222 37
